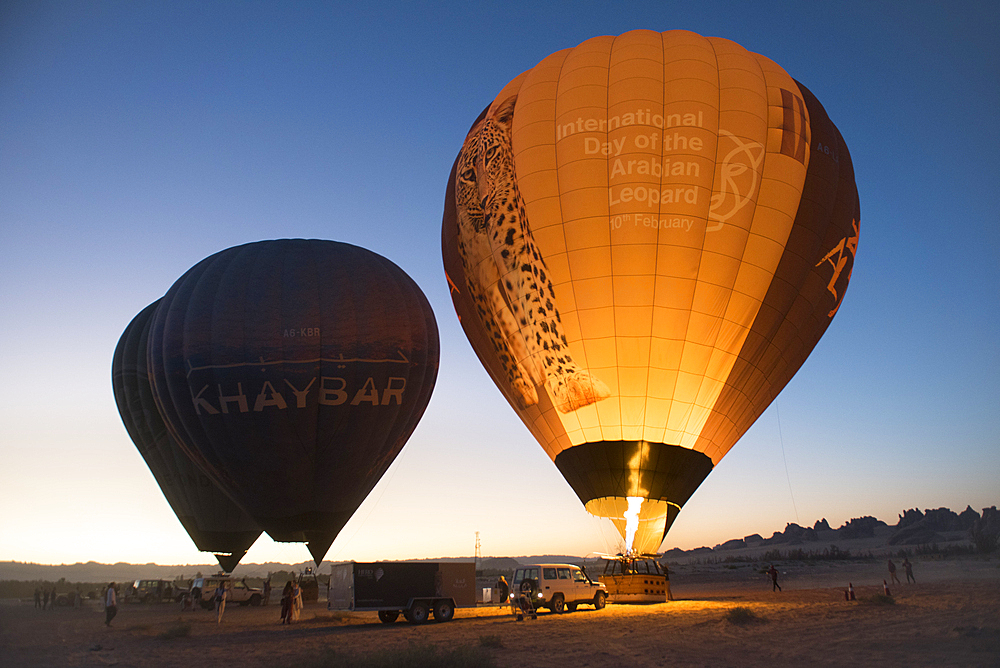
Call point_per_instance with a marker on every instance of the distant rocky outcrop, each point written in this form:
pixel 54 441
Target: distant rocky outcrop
pixel 860 527
pixel 916 528
pixel 734 544
pixel 985 530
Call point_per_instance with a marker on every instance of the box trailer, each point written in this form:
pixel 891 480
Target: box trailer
pixel 415 589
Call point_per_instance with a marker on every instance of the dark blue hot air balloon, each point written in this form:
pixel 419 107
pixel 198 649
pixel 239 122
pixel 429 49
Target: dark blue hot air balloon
pixel 295 370
pixel 213 521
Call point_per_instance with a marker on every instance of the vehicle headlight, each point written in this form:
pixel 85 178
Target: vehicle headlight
pixel 540 595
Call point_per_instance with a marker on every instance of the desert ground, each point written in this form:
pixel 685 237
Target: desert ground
pixel 950 617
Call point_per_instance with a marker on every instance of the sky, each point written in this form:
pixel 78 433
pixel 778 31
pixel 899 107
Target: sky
pixel 137 138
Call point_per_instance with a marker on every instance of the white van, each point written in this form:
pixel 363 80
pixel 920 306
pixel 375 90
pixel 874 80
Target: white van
pixel 558 587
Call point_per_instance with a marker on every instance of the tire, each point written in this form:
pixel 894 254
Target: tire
pixel 147 599
pixel 444 610
pixel 571 607
pixel 599 600
pixel 558 604
pixel 419 612
pixel 255 600
pixel 388 616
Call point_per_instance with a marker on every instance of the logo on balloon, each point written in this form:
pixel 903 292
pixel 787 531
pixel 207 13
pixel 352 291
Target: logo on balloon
pixel 240 392
pixel 737 179
pixel 838 258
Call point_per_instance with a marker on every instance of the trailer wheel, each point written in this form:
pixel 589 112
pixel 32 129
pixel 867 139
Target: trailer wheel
pixel 444 610
pixel 388 616
pixel 418 613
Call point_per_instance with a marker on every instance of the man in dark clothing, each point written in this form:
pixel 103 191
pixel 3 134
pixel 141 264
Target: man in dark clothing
pixel 908 569
pixel 892 573
pixel 773 572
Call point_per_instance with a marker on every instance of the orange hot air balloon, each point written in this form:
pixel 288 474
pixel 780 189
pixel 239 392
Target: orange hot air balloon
pixel 645 236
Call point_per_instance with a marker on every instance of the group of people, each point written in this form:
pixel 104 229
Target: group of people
pixel 907 568
pixel 46 599
pixel 42 597
pixel 291 600
pixel 772 573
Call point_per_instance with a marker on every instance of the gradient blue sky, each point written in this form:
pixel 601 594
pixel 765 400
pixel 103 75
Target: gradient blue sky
pixel 137 138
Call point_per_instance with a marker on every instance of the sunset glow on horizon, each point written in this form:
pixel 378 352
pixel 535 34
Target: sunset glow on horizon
pixel 138 139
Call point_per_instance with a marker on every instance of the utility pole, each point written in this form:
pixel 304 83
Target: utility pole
pixel 479 554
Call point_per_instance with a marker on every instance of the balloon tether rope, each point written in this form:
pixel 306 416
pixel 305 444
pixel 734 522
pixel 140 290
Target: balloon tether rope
pixel 787 477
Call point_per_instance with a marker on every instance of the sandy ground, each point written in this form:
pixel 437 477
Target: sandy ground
pixel 951 617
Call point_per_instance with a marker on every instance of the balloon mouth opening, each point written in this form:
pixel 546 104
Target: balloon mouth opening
pixel 640 522
pixel 229 561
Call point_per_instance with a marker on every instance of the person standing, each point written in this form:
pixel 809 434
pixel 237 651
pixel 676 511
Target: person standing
pixel 892 573
pixel 773 572
pixel 221 593
pixel 267 591
pixel 296 602
pixel 196 597
pixel 38 597
pixel 908 569
pixel 503 589
pixel 110 605
pixel 286 603
pixel 45 599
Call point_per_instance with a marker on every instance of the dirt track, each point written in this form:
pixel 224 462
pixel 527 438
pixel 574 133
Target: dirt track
pixel 945 622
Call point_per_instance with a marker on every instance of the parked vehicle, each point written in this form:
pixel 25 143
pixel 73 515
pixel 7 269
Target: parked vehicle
pixel 415 589
pixel 239 591
pixel 153 591
pixel 558 587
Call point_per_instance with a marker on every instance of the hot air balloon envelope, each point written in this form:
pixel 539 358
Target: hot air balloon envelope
pixel 296 370
pixel 645 236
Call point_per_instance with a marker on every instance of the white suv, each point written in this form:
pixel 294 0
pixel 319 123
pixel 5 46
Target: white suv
pixel 239 592
pixel 558 587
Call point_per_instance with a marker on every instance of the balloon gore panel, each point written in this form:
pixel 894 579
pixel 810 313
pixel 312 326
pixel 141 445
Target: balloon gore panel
pixel 213 521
